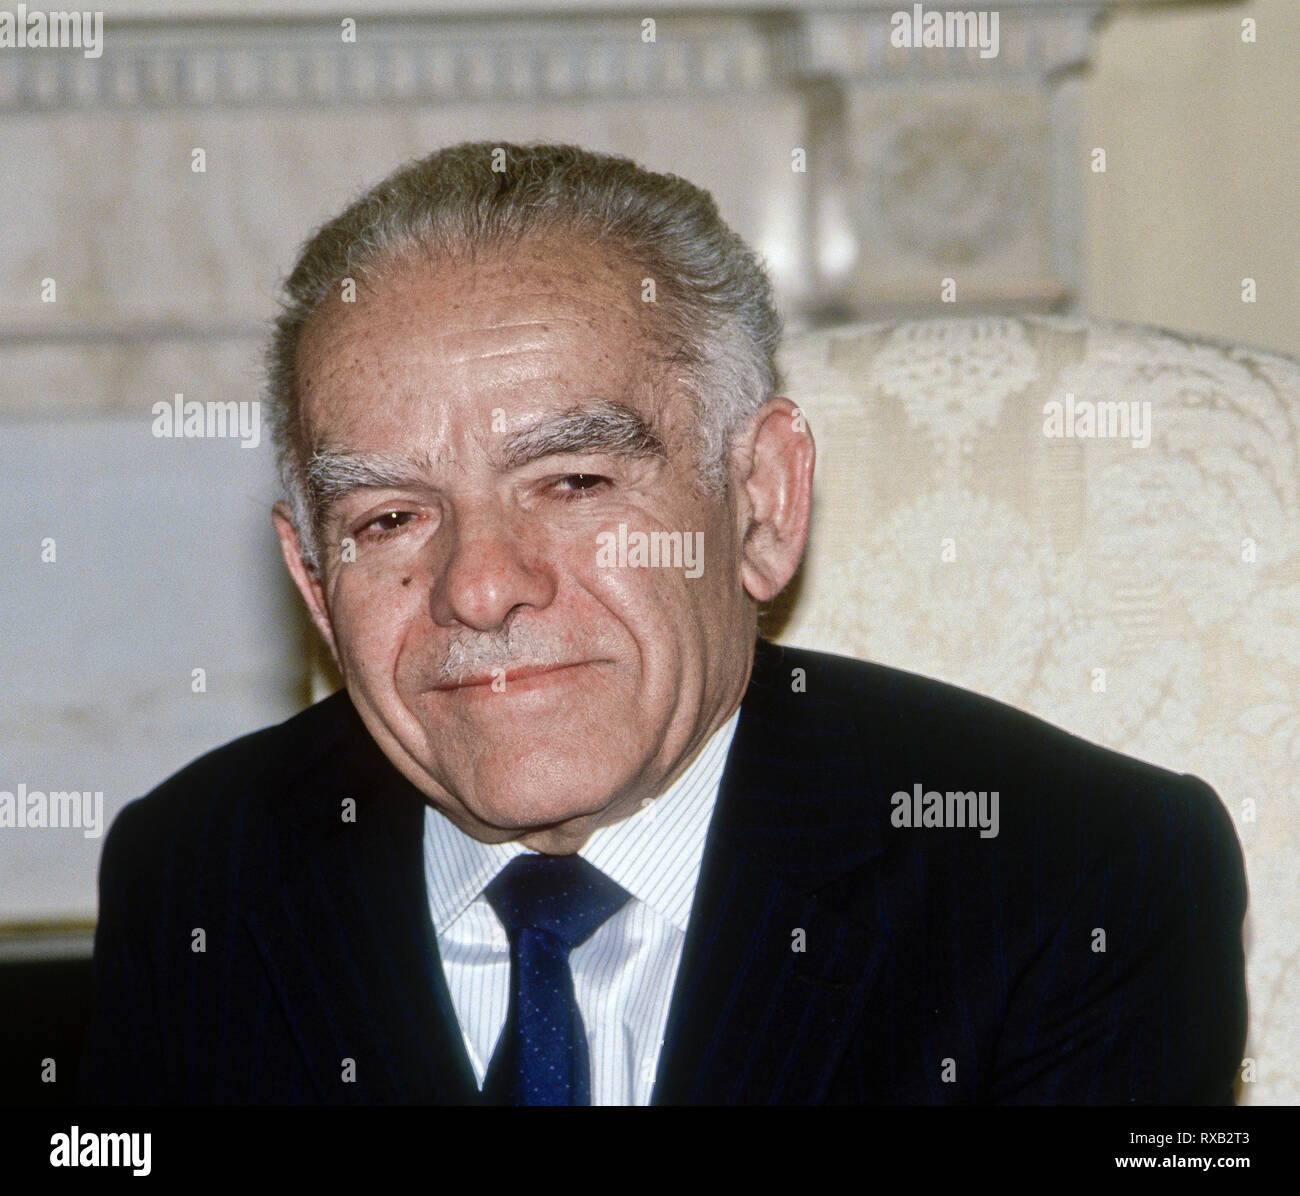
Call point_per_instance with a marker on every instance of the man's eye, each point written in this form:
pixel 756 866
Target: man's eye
pixel 577 484
pixel 387 523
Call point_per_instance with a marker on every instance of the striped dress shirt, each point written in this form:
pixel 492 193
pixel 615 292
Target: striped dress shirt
pixel 623 975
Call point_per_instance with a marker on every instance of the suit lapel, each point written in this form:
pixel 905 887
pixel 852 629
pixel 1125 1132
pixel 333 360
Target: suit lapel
pixel 754 1019
pixel 347 937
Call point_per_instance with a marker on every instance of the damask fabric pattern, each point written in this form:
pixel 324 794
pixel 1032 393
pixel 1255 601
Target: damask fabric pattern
pixel 1095 522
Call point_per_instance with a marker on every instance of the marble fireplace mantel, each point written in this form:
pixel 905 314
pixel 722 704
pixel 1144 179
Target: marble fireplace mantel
pixel 874 179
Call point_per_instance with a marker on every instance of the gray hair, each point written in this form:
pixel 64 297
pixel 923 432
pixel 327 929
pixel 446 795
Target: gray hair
pixel 714 303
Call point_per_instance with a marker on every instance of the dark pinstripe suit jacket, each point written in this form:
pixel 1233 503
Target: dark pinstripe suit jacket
pixel 939 967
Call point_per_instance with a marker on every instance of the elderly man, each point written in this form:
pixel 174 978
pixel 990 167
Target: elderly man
pixel 572 834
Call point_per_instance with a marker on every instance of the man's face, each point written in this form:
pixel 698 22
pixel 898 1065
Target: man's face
pixel 530 688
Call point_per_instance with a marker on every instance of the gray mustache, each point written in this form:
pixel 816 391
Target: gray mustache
pixel 470 656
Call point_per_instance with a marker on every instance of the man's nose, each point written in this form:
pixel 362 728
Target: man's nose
pixel 493 565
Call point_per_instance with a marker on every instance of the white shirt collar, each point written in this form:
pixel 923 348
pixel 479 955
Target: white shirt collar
pixel 655 853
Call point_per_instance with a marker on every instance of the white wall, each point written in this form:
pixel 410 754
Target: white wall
pixel 1203 181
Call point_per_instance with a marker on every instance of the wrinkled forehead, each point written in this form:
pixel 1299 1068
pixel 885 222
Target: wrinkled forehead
pixel 427 345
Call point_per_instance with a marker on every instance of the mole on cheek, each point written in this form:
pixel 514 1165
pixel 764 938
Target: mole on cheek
pixel 406 581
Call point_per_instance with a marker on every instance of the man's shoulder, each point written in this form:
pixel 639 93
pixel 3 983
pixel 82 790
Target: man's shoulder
pixel 877 696
pixel 237 779
pixel 917 730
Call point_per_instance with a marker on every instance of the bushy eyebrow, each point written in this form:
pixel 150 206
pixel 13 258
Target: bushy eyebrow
pixel 335 473
pixel 604 427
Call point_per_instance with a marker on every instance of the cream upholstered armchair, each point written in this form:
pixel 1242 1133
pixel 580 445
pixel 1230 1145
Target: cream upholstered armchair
pixel 1097 523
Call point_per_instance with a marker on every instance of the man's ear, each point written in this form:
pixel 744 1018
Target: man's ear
pixel 773 471
pixel 304 576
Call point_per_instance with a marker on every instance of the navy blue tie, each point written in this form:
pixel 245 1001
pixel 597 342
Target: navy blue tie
pixel 548 905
